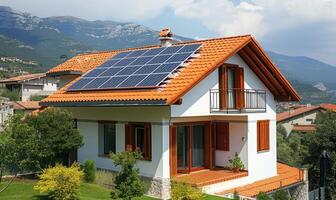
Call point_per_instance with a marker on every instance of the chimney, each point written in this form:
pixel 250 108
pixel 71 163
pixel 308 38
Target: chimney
pixel 166 37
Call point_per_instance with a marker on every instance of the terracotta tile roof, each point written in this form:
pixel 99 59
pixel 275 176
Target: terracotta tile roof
pixel 22 78
pixel 296 112
pixel 329 106
pixel 26 105
pixel 213 53
pixel 304 128
pixel 286 176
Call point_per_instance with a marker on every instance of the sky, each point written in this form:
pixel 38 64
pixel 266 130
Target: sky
pixel 291 27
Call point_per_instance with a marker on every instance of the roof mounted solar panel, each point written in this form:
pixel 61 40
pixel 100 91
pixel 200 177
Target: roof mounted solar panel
pixel 145 68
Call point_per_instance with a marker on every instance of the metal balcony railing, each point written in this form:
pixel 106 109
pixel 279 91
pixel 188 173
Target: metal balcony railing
pixel 238 101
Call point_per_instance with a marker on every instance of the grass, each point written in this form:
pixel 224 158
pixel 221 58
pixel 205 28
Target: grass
pixel 23 190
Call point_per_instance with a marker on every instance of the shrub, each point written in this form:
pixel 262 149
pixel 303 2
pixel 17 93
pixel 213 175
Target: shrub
pixel 13 95
pixel 185 191
pixel 127 182
pixel 36 98
pixel 60 182
pixel 236 163
pixel 263 196
pixel 280 195
pixel 89 171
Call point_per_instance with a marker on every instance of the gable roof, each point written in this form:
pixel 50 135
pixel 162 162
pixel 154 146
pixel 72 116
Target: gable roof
pixel 26 105
pixel 296 112
pixel 213 53
pixel 22 78
pixel 329 106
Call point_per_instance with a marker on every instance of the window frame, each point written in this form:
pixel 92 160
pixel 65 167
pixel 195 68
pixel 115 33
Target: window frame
pixel 102 137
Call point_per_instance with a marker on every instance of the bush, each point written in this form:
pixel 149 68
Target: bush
pixel 185 191
pixel 263 196
pixel 127 182
pixel 89 171
pixel 36 97
pixel 236 163
pixel 13 95
pixel 280 195
pixel 60 182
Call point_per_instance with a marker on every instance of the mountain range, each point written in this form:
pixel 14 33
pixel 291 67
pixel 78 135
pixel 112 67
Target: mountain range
pixel 44 40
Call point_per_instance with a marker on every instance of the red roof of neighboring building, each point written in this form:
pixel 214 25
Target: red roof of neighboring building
pixel 213 53
pixel 329 106
pixel 304 128
pixel 287 176
pixel 296 112
pixel 26 105
pixel 23 78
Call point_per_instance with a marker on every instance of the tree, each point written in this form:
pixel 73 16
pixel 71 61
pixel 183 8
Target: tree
pixel 57 134
pixel 263 196
pixel 323 139
pixel 127 181
pixel 280 195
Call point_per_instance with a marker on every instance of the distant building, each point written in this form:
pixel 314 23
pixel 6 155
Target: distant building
pixel 6 110
pixel 302 118
pixel 31 84
pixel 25 106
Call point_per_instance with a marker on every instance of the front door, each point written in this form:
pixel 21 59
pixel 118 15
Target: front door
pixel 190 147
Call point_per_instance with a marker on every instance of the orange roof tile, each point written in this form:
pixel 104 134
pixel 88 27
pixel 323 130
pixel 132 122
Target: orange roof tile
pixel 213 53
pixel 296 112
pixel 22 78
pixel 329 106
pixel 286 176
pixel 26 105
pixel 304 128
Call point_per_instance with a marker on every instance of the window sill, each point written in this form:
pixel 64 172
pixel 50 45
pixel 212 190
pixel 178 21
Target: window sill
pixel 263 151
pixel 104 156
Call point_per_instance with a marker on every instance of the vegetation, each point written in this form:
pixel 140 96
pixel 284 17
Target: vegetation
pixel 236 163
pixel 36 98
pixel 263 196
pixel 127 182
pixel 60 182
pixel 89 171
pixel 281 195
pixel 185 191
pixel 13 95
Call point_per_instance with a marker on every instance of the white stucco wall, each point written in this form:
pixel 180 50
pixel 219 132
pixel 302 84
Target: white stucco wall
pixel 44 85
pixel 88 126
pixel 304 119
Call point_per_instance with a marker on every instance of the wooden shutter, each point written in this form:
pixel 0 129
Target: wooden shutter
pixel 263 136
pixel 148 142
pixel 239 85
pixel 222 80
pixel 129 137
pixel 173 149
pixel 222 136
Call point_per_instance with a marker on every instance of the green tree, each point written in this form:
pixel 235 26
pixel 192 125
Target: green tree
pixel 281 195
pixel 263 196
pixel 57 135
pixel 127 181
pixel 323 139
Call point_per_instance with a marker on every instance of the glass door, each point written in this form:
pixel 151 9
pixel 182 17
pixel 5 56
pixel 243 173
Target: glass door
pixel 197 146
pixel 183 146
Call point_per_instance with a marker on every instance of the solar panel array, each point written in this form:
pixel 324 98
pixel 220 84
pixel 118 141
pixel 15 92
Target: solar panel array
pixel 145 68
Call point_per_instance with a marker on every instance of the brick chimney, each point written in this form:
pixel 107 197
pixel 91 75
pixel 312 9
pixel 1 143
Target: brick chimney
pixel 166 37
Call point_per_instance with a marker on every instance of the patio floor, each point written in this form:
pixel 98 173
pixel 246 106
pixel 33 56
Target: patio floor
pixel 207 177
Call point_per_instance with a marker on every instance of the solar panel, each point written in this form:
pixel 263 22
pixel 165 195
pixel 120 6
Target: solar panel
pixel 136 69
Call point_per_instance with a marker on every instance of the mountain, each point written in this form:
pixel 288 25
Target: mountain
pixel 44 40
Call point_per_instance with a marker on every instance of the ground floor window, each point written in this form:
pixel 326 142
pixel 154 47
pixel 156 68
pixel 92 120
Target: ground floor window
pixel 138 137
pixel 107 138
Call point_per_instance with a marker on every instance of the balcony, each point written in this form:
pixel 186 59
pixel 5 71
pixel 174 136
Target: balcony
pixel 238 101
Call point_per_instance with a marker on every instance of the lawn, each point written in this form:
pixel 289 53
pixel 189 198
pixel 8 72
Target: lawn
pixel 23 190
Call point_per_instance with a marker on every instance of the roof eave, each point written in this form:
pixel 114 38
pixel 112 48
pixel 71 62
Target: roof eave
pixel 105 103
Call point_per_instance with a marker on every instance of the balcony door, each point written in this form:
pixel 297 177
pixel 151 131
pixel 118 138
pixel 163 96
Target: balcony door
pixel 231 87
pixel 190 148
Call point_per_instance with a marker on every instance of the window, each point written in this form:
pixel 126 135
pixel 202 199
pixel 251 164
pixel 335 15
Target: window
pixel 222 136
pixel 263 135
pixel 107 138
pixel 138 138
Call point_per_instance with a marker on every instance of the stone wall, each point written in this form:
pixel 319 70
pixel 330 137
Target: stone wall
pixel 159 188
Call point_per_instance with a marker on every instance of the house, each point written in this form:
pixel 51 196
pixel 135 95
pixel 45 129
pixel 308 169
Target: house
pixel 302 119
pixel 31 84
pixel 189 107
pixel 25 107
pixel 6 110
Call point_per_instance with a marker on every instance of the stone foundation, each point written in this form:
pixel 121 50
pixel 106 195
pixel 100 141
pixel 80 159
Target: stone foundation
pixel 159 188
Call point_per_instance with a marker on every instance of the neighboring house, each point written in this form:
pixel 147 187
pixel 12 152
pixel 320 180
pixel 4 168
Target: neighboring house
pixel 302 119
pixel 31 84
pixel 25 107
pixel 6 110
pixel 189 110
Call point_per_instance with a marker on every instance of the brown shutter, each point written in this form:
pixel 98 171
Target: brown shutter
pixel 263 137
pixel 239 85
pixel 173 149
pixel 222 80
pixel 222 136
pixel 148 142
pixel 129 137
